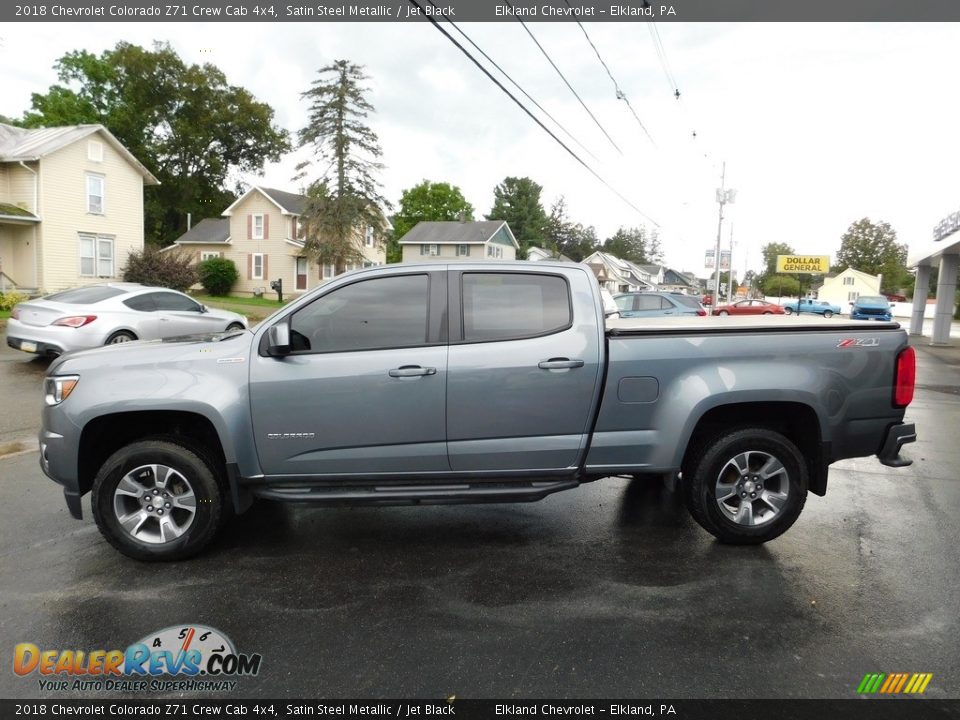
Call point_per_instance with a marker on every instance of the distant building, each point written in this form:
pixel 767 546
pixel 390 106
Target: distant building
pixel 448 240
pixel 617 275
pixel 844 288
pixel 538 253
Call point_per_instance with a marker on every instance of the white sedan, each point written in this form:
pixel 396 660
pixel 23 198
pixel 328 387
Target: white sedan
pixel 95 315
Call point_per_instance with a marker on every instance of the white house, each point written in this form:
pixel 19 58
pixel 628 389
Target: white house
pixel 71 206
pixel 447 240
pixel 619 276
pixel 843 288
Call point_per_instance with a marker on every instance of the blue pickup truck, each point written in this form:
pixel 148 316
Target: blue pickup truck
pixel 468 383
pixel 871 307
pixel 806 305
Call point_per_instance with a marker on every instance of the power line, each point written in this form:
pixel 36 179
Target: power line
pixel 662 57
pixel 517 86
pixel 620 94
pixel 566 82
pixel 533 117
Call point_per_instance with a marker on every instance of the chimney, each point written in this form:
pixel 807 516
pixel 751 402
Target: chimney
pixel 462 216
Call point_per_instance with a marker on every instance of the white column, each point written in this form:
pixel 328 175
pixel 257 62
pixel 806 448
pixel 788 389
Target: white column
pixel 920 291
pixel 946 297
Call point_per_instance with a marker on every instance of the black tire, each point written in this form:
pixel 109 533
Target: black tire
pixel 703 469
pixel 767 312
pixel 234 326
pixel 121 336
pixel 211 500
pixel 722 313
pixel 828 313
pixel 788 311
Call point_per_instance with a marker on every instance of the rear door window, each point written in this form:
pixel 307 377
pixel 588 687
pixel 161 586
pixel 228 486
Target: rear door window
pixel 511 306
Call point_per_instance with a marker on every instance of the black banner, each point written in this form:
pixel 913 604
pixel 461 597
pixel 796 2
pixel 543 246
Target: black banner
pixel 872 709
pixel 479 11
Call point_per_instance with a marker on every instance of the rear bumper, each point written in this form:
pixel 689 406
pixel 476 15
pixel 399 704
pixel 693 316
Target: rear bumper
pixel 40 348
pixel 897 436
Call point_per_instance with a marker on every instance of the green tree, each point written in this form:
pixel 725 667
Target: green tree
pixel 345 199
pixel 185 123
pixel 781 285
pixel 426 201
pixel 629 244
pixel 769 278
pixel 562 235
pixel 517 200
pixel 873 248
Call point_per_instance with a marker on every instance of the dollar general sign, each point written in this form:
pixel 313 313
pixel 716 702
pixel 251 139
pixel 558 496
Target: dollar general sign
pixel 803 263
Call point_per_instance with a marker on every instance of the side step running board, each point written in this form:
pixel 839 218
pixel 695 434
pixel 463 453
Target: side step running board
pixel 434 494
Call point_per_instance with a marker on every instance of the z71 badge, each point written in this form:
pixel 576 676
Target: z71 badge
pixel 858 342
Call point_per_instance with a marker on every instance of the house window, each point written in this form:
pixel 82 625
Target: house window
pixel 96 255
pixel 494 251
pixel 258 227
pixel 257 265
pixel 852 296
pixel 429 249
pixel 95 151
pixel 849 281
pixel 209 255
pixel 368 237
pixel 95 187
pixel 328 271
pixel 463 250
pixel 293 227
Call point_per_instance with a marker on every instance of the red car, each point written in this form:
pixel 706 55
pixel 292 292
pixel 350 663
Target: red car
pixel 749 307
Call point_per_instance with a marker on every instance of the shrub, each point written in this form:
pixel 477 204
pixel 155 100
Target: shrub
pixel 217 275
pixel 170 269
pixel 10 299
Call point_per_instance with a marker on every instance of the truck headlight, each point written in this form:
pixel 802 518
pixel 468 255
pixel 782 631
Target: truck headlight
pixel 58 388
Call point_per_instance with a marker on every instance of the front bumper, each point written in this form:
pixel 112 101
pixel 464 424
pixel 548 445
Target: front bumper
pixel 897 436
pixel 867 316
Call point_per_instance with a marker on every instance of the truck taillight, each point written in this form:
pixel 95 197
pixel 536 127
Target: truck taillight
pixel 905 377
pixel 75 321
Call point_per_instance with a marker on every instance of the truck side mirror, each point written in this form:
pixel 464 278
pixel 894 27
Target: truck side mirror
pixel 278 339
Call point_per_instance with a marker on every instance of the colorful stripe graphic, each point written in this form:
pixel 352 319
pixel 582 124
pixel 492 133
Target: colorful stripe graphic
pixel 894 683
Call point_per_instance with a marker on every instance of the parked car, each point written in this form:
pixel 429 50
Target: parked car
pixel 871 307
pixel 650 304
pixel 806 305
pixel 749 307
pixel 108 314
pixel 468 383
pixel 706 300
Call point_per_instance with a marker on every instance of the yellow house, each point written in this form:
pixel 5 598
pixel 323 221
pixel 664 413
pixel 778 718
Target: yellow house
pixel 71 207
pixel 259 233
pixel 844 288
pixel 451 240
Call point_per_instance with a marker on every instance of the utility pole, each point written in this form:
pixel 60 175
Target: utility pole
pixel 724 196
pixel 730 272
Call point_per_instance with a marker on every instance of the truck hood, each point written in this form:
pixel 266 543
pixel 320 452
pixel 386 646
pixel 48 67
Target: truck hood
pixel 208 347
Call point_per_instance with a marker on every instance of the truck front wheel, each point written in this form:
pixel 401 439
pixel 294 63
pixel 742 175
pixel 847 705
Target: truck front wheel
pixel 747 486
pixel 158 500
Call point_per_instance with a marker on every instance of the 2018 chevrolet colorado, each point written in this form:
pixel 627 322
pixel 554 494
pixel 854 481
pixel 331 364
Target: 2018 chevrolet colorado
pixel 484 382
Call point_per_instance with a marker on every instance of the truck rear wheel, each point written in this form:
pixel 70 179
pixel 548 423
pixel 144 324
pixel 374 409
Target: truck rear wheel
pixel 158 500
pixel 747 486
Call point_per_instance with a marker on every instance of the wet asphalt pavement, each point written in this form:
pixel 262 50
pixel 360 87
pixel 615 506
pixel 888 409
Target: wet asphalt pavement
pixel 610 590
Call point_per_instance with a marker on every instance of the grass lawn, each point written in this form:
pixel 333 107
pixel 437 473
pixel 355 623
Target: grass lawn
pixel 253 308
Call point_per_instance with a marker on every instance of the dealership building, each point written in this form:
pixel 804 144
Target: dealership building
pixel 944 255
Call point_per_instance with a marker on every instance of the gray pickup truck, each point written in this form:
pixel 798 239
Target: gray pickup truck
pixel 465 383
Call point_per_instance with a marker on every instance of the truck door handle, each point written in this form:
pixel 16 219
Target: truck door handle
pixel 411 371
pixel 559 364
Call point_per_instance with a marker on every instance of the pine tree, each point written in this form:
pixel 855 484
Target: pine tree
pixel 346 198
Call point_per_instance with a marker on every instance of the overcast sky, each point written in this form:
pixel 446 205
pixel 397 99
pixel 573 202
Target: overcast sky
pixel 820 124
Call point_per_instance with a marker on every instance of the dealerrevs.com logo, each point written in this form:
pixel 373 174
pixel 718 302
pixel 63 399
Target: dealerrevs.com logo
pixel 194 651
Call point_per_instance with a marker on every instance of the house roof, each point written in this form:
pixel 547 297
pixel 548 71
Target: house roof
pixel 547 254
pixel 207 231
pixel 30 144
pixel 454 232
pixel 866 277
pixel 288 203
